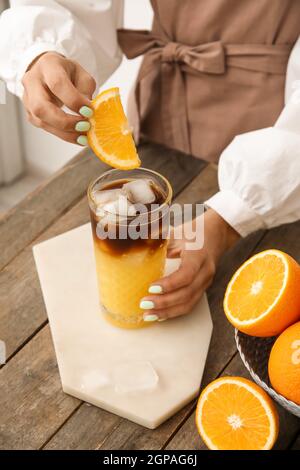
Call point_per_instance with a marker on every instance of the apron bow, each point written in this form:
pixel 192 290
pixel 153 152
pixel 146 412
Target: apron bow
pixel 206 58
pixel 169 60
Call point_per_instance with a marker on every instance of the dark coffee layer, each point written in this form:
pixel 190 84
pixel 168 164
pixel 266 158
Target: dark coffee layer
pixel 152 226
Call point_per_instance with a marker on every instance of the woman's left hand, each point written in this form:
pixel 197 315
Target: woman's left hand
pixel 176 294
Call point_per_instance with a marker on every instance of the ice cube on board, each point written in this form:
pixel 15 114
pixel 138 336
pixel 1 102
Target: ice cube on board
pixel 135 376
pixel 139 191
pixel 93 380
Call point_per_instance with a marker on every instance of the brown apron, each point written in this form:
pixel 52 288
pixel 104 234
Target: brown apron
pixel 212 69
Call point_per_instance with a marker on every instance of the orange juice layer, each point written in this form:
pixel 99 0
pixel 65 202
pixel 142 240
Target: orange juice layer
pixel 124 280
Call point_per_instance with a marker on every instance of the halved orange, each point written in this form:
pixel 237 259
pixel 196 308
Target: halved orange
pixel 236 414
pixel 110 136
pixel 263 296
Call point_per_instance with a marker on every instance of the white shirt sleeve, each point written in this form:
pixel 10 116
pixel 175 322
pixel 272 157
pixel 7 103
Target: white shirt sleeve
pixel 80 30
pixel 259 172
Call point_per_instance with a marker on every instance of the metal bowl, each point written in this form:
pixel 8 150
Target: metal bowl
pixel 255 353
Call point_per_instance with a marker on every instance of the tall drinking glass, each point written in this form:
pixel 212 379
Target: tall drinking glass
pixel 130 248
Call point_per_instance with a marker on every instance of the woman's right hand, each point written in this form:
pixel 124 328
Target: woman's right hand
pixel 50 82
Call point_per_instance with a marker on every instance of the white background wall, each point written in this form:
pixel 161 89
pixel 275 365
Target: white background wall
pixel 45 153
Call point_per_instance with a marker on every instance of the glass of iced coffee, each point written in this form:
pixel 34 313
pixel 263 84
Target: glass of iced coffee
pixel 130 223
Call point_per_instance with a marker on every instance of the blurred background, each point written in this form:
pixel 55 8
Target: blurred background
pixel 29 155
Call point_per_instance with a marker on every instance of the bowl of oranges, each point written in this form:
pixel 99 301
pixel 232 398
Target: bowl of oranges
pixel 262 301
pixel 274 364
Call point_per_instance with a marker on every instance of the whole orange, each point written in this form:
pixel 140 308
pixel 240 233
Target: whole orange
pixel 284 364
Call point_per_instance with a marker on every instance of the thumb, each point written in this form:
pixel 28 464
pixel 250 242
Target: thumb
pixel 176 243
pixel 174 247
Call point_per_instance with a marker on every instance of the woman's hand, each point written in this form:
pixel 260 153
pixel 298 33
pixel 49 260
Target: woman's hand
pixel 177 293
pixel 50 82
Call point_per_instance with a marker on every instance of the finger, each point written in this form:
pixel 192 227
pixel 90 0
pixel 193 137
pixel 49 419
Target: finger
pixel 177 297
pixel 58 119
pixel 173 249
pixel 180 308
pixel 172 312
pixel 187 306
pixel 184 275
pixel 60 85
pixel 84 82
pixel 52 115
pixel 71 137
pixel 39 104
pixel 160 305
pixel 174 252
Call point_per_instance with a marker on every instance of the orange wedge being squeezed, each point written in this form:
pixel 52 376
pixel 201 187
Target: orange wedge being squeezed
pixel 110 136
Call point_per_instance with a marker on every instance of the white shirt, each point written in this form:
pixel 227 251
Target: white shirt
pixel 259 172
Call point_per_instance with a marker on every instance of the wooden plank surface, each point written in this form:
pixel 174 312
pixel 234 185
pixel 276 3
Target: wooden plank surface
pixel 24 222
pixel 201 188
pixel 32 402
pixel 120 433
pixel 296 443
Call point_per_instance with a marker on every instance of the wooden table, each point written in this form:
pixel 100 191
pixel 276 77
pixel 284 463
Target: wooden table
pixel 34 411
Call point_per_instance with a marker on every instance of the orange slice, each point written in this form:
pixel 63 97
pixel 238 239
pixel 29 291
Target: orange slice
pixel 263 296
pixel 110 136
pixel 236 414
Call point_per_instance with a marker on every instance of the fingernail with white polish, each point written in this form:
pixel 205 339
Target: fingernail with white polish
pixel 146 304
pixel 155 290
pixel 82 140
pixel 86 111
pixel 150 317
